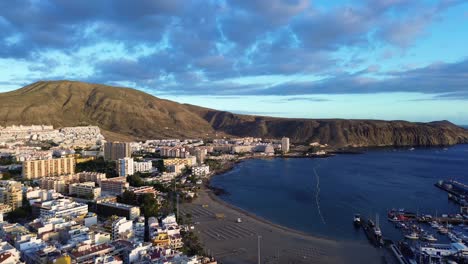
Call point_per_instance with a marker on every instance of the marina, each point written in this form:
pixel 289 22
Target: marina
pixel 426 238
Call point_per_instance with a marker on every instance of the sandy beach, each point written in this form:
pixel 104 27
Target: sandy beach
pixel 233 242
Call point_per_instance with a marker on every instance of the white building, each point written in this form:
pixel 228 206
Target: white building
pixel 121 226
pixel 8 254
pixel 125 167
pixel 85 190
pixel 143 166
pixel 285 144
pixel 201 170
pixel 62 208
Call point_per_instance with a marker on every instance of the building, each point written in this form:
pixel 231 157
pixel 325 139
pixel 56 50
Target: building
pixel 116 150
pixel 120 226
pixel 125 167
pixel 58 184
pixel 115 185
pixel 143 166
pixel 189 162
pixel 35 169
pixel 11 194
pixel 106 209
pixel 176 168
pixel 87 176
pixel 8 254
pixel 202 170
pixel 62 208
pixel 200 155
pixel 285 144
pixel 87 253
pixel 139 191
pixel 85 190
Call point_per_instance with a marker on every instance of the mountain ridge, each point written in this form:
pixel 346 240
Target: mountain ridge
pixel 125 113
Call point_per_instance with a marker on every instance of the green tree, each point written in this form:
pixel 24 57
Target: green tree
pixel 149 205
pixel 135 180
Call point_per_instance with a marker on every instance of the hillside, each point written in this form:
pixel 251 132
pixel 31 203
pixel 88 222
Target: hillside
pixel 124 113
pixel 118 111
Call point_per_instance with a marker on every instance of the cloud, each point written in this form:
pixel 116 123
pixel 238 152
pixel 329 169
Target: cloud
pixel 189 47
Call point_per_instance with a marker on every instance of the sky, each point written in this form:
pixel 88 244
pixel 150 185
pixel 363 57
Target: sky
pixel 378 59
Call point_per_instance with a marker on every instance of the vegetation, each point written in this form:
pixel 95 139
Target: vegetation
pixel 98 165
pixel 148 204
pixel 135 180
pixel 214 164
pixel 159 164
pixel 7 161
pixel 192 245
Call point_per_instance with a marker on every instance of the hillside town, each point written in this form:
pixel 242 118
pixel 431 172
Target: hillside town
pixel 69 196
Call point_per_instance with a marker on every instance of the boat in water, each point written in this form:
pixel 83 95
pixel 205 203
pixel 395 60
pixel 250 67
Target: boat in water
pixel 412 235
pixel 357 220
pixel 373 233
pixel 443 230
pixel 429 238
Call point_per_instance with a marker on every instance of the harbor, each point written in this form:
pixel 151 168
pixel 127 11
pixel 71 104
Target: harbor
pixel 425 238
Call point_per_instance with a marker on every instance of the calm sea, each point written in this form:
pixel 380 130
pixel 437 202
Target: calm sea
pixel 320 196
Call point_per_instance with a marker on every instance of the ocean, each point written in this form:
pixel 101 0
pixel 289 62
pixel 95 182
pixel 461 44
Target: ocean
pixel 321 196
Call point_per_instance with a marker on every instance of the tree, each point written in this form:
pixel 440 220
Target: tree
pixel 135 180
pixel 149 205
pixel 128 197
pixel 159 164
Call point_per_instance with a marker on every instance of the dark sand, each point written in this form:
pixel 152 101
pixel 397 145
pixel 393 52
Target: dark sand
pixel 232 242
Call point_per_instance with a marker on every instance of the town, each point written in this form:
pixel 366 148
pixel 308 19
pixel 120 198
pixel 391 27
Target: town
pixel 69 196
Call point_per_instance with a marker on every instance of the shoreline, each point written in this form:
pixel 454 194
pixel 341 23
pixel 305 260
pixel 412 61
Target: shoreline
pixel 215 198
pixel 235 242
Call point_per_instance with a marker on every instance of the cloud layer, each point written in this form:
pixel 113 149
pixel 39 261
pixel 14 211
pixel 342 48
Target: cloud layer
pixel 218 47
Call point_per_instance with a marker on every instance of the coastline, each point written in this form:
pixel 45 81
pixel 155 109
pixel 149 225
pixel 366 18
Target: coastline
pixel 230 241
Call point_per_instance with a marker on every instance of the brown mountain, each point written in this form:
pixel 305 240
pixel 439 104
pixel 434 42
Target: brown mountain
pixel 124 113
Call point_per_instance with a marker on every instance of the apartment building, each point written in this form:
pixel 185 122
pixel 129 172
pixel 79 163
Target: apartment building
pixel 85 189
pixel 116 150
pixel 191 161
pixel 87 176
pixel 11 194
pixel 125 167
pixel 36 169
pixel 285 145
pixel 62 208
pixel 114 186
pixel 106 209
pixel 201 170
pixel 58 184
pixel 143 166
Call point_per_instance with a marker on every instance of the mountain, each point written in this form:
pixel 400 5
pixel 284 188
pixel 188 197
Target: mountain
pixel 119 112
pixel 124 113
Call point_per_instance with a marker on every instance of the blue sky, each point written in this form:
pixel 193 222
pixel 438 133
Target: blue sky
pixel 379 59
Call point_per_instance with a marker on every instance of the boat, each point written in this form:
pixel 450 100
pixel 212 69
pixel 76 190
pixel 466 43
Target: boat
pixel 377 231
pixel 357 220
pixel 434 224
pixel 454 238
pixel 443 230
pixel 412 235
pixel 429 238
pixel 411 149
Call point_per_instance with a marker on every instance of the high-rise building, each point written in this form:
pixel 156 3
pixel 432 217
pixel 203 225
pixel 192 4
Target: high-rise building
pixel 285 144
pixel 35 169
pixel 125 167
pixel 116 150
pixel 11 194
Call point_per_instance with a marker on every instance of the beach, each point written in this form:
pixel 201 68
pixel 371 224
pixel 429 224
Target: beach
pixel 232 242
